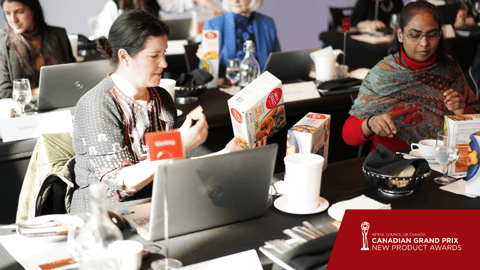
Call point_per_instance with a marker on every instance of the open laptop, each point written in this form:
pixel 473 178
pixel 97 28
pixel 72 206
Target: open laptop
pixel 206 192
pixel 292 66
pixel 449 13
pixel 63 85
pixel 179 28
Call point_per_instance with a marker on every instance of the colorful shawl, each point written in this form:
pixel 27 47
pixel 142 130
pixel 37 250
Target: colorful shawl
pixel 413 98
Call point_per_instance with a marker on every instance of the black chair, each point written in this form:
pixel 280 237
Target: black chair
pixel 473 73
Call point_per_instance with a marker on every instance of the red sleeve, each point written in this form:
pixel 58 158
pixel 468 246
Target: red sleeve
pixel 352 131
pixel 470 111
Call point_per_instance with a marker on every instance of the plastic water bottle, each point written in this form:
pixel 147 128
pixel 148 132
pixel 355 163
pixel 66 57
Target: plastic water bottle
pixel 94 243
pixel 249 67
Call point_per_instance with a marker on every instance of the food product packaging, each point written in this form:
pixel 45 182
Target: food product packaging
pixel 257 111
pixel 310 135
pixel 211 49
pixel 460 127
pixel 473 173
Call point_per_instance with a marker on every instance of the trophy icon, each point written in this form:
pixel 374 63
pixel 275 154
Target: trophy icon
pixel 365 226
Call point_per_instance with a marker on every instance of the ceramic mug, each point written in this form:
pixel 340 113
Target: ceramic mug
pixel 426 148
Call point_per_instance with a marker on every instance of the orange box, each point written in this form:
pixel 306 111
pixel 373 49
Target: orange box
pixel 164 145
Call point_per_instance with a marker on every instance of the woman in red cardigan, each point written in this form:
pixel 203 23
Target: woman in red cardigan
pixel 405 97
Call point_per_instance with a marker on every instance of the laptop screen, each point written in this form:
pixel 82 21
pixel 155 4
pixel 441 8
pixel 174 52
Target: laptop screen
pixel 62 85
pixel 290 66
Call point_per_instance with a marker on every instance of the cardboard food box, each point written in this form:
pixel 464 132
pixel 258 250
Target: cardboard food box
pixel 310 135
pixel 257 111
pixel 460 127
pixel 211 50
pixel 473 173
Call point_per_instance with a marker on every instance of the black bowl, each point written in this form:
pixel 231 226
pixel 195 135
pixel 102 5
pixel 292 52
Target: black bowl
pixel 189 91
pixel 396 186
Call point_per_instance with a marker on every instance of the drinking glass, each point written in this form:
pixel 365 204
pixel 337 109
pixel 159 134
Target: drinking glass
pixel 166 263
pixel 446 153
pixel 394 21
pixel 233 71
pixel 22 93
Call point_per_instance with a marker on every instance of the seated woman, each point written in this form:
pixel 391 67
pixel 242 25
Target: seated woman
pixel 113 117
pixel 239 24
pixel 405 97
pixel 28 43
pixel 363 16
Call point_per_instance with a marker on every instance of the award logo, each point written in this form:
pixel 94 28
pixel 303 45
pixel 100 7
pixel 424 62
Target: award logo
pixel 365 226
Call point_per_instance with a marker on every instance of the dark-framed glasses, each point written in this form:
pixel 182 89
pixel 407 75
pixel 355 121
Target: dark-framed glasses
pixel 430 36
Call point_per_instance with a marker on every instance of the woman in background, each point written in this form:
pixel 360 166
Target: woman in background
pixel 239 24
pixel 28 43
pixel 100 24
pixel 405 97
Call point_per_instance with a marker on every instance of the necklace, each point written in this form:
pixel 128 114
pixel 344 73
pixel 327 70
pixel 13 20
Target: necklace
pixel 387 9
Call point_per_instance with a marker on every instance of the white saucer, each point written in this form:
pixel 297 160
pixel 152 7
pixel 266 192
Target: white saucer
pixel 179 113
pixel 429 159
pixel 281 204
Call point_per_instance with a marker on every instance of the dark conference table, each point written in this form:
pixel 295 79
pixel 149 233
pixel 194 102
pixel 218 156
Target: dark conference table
pixel 361 54
pixel 340 181
pixel 14 156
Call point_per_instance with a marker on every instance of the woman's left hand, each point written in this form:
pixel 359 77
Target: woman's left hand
pixel 454 101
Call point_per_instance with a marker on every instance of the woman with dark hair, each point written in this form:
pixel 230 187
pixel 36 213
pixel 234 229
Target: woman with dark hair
pixel 28 43
pixel 405 97
pixel 112 118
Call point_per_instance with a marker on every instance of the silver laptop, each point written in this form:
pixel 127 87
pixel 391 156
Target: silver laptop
pixel 290 66
pixel 63 85
pixel 206 192
pixel 179 28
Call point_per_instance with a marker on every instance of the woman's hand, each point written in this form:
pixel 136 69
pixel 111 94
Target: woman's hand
pixel 200 53
pixel 193 136
pixel 232 145
pixel 382 125
pixel 370 26
pixel 454 101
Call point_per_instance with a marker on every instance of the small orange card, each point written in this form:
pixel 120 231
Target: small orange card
pixel 164 145
pixel 345 24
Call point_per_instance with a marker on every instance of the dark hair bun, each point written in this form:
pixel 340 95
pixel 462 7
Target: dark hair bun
pixel 103 46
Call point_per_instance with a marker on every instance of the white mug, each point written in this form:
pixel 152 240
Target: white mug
pixel 169 85
pixel 426 148
pixel 303 177
pixel 130 252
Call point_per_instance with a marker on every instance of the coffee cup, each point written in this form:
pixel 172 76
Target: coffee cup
pixel 169 85
pixel 131 253
pixel 303 177
pixel 426 148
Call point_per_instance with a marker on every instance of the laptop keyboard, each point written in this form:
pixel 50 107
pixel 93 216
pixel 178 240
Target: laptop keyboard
pixel 143 222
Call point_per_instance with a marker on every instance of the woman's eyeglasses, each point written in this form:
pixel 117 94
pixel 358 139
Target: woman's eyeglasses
pixel 430 36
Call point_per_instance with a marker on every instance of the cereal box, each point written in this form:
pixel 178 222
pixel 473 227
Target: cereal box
pixel 473 174
pixel 210 46
pixel 310 135
pixel 460 127
pixel 257 111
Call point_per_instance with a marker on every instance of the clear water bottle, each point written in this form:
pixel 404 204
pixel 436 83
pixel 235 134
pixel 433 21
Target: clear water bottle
pixel 249 67
pixel 94 243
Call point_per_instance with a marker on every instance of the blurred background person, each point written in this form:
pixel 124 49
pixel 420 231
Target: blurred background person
pixel 28 43
pixel 239 24
pixel 405 97
pixel 363 16
pixel 100 25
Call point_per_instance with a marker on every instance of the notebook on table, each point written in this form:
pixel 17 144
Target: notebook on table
pixel 291 66
pixel 206 192
pixel 62 85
